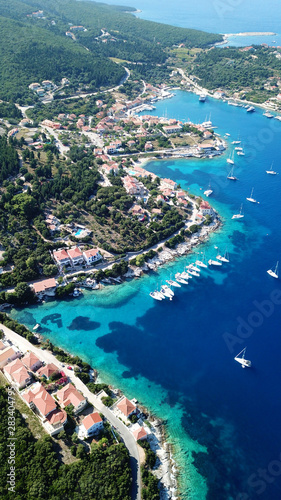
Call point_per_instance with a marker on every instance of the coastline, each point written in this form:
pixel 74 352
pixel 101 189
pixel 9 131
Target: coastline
pixel 165 469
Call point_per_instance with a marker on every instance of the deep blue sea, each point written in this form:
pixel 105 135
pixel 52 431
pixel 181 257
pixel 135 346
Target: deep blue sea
pixel 177 357
pixel 216 16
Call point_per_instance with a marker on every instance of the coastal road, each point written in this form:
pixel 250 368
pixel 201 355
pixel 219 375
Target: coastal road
pixel 23 345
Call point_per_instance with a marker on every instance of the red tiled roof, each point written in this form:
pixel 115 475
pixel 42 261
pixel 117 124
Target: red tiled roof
pixel 56 416
pixel 47 370
pixel 42 400
pixel 91 419
pixel 139 433
pixel 30 359
pixel 91 253
pixel 126 406
pixel 61 254
pixel 74 252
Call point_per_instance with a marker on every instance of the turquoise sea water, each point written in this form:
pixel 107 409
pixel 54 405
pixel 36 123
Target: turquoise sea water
pixel 177 357
pixel 217 16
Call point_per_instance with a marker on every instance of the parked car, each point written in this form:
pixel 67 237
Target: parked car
pixel 69 368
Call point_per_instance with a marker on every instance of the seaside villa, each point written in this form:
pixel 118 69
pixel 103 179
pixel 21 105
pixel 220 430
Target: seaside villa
pixel 92 424
pixel 69 395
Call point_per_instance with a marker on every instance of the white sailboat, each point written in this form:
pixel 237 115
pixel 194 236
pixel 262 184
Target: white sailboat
pixel 173 283
pixel 223 258
pixel 244 362
pixel 166 290
pixel 232 177
pixel 274 273
pixel 180 279
pixel 251 199
pixel 201 263
pixel 240 215
pixel 271 171
pixel 212 262
pixel 156 295
pixel 231 159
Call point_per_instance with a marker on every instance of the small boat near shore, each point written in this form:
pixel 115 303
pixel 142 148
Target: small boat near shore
pixel 251 109
pixel 245 363
pixel 202 97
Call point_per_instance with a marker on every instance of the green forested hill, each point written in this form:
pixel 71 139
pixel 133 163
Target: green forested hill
pixel 36 49
pixel 30 53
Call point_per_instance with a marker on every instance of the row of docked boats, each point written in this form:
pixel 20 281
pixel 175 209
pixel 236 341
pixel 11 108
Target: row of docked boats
pixel 182 278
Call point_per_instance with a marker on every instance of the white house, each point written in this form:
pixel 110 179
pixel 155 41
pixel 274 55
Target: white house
pixel 126 407
pixel 205 208
pixel 45 287
pixel 62 257
pixel 91 256
pixel 92 424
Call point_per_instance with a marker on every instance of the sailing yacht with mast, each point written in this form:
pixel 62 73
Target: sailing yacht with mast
pixel 223 258
pixel 240 215
pixel 271 171
pixel 251 199
pixel 274 273
pixel 243 362
pixel 231 159
pixel 232 177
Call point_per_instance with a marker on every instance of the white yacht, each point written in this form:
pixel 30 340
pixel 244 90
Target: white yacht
pixel 231 159
pixel 244 362
pixel 156 295
pixel 200 263
pixel 173 283
pixel 166 290
pixel 240 153
pixel 232 177
pixel 240 215
pixel 185 275
pixel 214 262
pixel 194 268
pixel 251 199
pixel 202 97
pixel 191 271
pixel 268 115
pixel 223 258
pixel 271 171
pixel 251 109
pixel 180 279
pixel 274 273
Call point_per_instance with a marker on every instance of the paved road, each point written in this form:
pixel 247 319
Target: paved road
pixel 123 431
